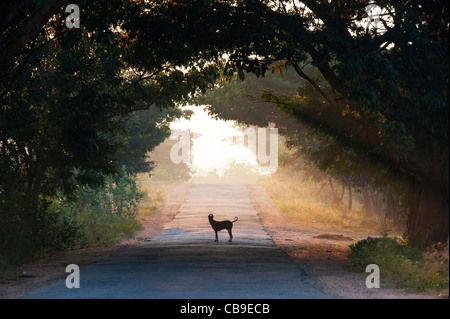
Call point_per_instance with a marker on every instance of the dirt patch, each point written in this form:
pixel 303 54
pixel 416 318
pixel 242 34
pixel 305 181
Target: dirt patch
pixel 321 254
pixel 45 271
pixel 334 237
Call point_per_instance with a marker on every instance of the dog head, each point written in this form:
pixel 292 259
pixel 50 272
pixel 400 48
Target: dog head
pixel 210 216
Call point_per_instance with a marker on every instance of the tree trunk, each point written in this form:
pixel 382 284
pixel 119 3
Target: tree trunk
pixel 321 187
pixel 333 192
pixel 336 197
pixel 384 205
pixel 350 199
pixel 390 207
pixel 342 194
pixel 367 201
pixel 33 198
pixel 378 205
pixel 428 219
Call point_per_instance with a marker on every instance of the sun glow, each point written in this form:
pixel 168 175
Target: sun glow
pixel 213 149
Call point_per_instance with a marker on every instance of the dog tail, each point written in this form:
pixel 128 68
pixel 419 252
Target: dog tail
pixel 235 219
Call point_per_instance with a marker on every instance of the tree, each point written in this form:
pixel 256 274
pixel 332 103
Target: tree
pixel 146 129
pixel 22 21
pixel 389 88
pixel 64 100
pixel 389 95
pixel 319 155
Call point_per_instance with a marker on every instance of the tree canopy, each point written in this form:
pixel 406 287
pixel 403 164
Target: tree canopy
pixel 64 92
pixel 388 96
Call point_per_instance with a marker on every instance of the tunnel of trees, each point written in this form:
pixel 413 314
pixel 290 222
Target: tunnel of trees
pixel 73 101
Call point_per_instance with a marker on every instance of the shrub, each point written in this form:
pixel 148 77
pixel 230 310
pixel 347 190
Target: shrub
pixel 373 250
pixel 24 238
pixel 92 216
pixel 107 213
pixel 401 265
pixel 119 197
pixel 57 231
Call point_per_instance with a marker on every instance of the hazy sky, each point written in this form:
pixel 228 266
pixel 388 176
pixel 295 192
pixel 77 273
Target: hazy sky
pixel 212 142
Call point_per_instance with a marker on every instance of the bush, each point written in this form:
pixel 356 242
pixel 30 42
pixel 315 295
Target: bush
pixel 57 231
pixel 401 265
pixel 373 250
pixel 93 216
pixel 118 197
pixel 23 239
pixel 107 213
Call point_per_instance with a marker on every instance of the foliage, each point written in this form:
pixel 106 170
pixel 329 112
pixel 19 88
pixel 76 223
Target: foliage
pixel 400 265
pixel 91 216
pixel 106 213
pixel 321 156
pixel 292 192
pixel 65 92
pixel 67 111
pixel 66 108
pixel 118 196
pixel 166 171
pixel 240 100
pixel 376 250
pixel 388 89
pixel 146 129
pixel 57 231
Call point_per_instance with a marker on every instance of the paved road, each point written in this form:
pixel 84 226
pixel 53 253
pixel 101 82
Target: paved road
pixel 185 262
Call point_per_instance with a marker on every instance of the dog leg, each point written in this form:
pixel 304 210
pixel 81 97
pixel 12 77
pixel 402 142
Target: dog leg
pixel 217 238
pixel 231 236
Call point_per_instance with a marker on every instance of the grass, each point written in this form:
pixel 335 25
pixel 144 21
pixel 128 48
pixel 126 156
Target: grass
pixel 80 230
pixel 106 230
pixel 402 266
pixel 291 194
pixel 113 228
pixel 152 199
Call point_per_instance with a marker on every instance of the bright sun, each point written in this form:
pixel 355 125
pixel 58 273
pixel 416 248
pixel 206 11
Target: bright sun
pixel 212 144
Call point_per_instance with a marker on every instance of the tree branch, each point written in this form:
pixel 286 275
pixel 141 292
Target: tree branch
pixel 314 84
pixel 15 40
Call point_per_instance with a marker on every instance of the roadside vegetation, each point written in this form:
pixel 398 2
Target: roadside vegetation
pixel 316 203
pixel 90 217
pixel 292 193
pixel 403 266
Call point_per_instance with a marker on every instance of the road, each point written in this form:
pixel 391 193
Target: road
pixel 184 262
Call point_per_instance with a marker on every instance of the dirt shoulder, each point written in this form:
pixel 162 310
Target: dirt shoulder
pixel 321 252
pixel 47 270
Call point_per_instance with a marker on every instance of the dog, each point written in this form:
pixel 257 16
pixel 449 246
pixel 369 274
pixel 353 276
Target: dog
pixel 217 226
